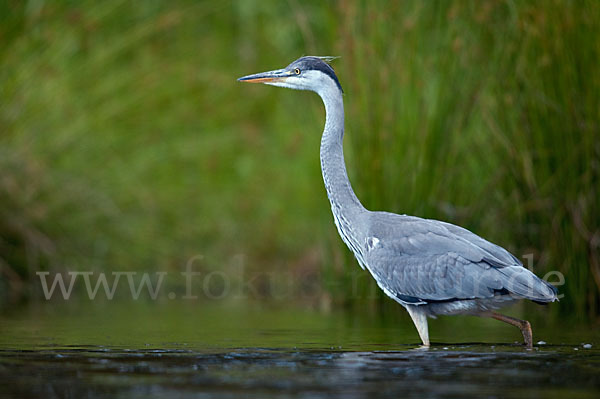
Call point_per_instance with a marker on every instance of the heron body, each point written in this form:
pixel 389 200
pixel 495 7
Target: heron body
pixel 428 266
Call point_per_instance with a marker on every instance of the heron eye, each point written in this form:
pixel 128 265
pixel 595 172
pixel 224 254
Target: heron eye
pixel 297 71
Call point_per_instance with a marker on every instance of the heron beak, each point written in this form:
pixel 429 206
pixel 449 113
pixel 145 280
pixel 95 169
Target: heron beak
pixel 267 77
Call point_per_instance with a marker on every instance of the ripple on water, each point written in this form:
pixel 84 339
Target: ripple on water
pixel 467 371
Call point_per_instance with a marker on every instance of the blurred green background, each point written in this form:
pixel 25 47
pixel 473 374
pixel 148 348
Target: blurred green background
pixel 126 143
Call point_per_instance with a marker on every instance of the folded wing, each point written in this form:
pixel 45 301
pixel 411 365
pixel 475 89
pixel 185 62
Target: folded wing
pixel 418 261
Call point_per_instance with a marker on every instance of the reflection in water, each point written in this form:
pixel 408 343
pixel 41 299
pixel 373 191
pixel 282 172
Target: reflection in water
pixel 157 351
pixel 459 371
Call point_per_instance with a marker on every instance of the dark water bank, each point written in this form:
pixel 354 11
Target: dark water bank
pixel 174 350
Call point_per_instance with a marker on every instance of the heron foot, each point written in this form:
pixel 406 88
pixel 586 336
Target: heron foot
pixel 422 348
pixel 523 325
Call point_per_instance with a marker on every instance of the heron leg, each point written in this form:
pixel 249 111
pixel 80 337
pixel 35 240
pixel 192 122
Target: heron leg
pixel 419 318
pixel 523 325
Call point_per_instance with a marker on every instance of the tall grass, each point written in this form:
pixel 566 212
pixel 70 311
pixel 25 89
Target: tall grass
pixel 485 114
pixel 127 143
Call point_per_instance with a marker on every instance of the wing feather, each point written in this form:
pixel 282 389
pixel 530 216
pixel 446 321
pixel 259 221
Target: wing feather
pixel 421 261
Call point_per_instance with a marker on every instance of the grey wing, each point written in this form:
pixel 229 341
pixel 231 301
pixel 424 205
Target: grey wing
pixel 496 252
pixel 423 261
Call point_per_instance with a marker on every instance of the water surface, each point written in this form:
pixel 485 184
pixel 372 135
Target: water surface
pixel 208 350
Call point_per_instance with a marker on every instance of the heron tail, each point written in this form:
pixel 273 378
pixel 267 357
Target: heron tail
pixel 519 281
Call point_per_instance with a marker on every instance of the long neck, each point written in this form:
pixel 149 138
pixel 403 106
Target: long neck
pixel 344 202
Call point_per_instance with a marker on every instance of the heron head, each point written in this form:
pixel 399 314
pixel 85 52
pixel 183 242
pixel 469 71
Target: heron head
pixel 306 73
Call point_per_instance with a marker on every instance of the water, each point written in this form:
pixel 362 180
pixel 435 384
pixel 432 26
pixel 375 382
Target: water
pixel 207 350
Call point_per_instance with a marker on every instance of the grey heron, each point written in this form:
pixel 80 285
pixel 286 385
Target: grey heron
pixel 428 266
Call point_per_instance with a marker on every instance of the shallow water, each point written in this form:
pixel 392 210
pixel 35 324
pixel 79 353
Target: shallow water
pixel 137 350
